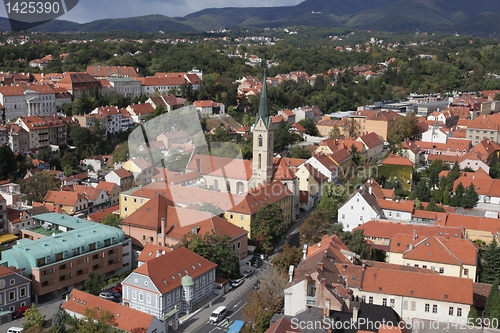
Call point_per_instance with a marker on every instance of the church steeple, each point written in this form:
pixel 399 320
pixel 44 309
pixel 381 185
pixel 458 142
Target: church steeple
pixel 263 143
pixel 263 106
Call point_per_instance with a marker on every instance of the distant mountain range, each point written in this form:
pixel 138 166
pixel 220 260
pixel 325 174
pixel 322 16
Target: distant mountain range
pixel 476 17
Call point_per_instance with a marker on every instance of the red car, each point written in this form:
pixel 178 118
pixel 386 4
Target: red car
pixel 19 313
pixel 118 289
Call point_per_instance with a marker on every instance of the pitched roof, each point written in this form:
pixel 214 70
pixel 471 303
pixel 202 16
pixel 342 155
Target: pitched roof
pixel 371 140
pixel 256 198
pixel 89 192
pixel 142 109
pixel 122 173
pixel 397 160
pixel 452 251
pixel 387 230
pixel 282 325
pixel 102 71
pixel 141 163
pixel 126 318
pixel 221 166
pixel 149 215
pixel 282 171
pixel 64 198
pixel 401 205
pixel 151 251
pixel 473 222
pixel 418 285
pixel 106 186
pixel 167 270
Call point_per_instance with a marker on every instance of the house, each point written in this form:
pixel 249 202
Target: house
pixel 125 318
pixel 17 138
pixel 288 115
pixel 11 192
pixel 170 138
pixel 28 100
pixel 440 298
pixel 97 198
pixel 15 292
pixel 297 128
pixel 484 127
pixel 325 165
pixel 158 222
pixel 44 131
pixel 129 87
pixel 176 280
pixel 373 144
pixel 475 227
pixel 488 151
pixel 307 112
pixel 361 206
pixel 168 101
pixel 411 151
pixel 209 108
pixel 367 121
pixel 396 168
pixel 79 84
pixel 72 203
pixel 435 134
pixel 310 182
pixel 447 256
pixel 326 126
pixel 17 219
pixel 140 112
pixel 472 161
pixel 59 252
pixel 109 117
pixel 120 177
pixel 141 169
pixel 167 82
pixel 112 190
pixel 100 71
pixel 379 233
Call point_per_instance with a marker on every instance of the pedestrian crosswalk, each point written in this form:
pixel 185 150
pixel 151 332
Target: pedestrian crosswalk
pixel 223 324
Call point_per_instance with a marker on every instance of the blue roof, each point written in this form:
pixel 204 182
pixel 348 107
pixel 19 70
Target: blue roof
pixel 79 238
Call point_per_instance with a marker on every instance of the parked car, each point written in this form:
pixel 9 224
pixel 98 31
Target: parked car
pixel 236 283
pixel 118 289
pixel 256 285
pixel 247 273
pixel 261 256
pixel 254 262
pixel 115 294
pixel 19 313
pixel 107 295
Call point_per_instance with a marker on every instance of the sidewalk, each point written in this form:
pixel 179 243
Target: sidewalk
pixel 201 318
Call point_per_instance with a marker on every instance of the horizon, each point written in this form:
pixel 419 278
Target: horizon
pixel 86 12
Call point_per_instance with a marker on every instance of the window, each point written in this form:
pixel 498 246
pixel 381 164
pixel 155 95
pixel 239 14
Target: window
pixel 405 305
pixel 141 297
pixel 413 306
pixel 427 307
pixel 466 271
pixel 203 280
pixel 260 140
pixel 134 295
pixel 169 299
pixel 149 299
pixel 441 270
pixel 363 299
pixel 12 295
pixel 22 292
pixel 435 308
pixel 239 245
pixel 343 216
pixel 384 301
pixel 370 300
pixel 450 311
pixel 361 218
pixel 459 312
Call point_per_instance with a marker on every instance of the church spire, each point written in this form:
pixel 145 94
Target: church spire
pixel 263 107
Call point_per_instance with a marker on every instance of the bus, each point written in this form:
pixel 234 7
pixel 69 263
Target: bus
pixel 236 326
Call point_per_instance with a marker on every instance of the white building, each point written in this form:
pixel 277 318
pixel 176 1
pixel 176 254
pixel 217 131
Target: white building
pixel 125 86
pixel 324 165
pixel 209 108
pixel 28 100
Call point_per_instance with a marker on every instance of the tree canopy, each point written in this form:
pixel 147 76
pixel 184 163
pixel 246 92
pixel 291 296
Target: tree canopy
pixel 268 226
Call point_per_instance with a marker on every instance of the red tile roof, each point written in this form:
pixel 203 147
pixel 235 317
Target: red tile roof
pixel 221 167
pixel 387 230
pixel 371 140
pixel 418 285
pixel 100 215
pixel 402 205
pixel 126 318
pixel 397 160
pixel 103 71
pixel 151 251
pixel 64 198
pixel 122 173
pixel 148 216
pixel 167 270
pixel 473 223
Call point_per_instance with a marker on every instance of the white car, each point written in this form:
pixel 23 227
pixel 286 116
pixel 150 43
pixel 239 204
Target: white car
pixel 237 283
pixel 107 295
pixel 247 273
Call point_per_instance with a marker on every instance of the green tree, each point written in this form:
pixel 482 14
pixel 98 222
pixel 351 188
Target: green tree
pixel 121 153
pixel 356 157
pixel 96 321
pixel 283 138
pixel 37 186
pixel 458 197
pixel 495 171
pixel 289 255
pixel 315 226
pixel 405 127
pixel 332 199
pixel 310 127
pixel 69 163
pixel 216 248
pixel 470 197
pixel 94 283
pixel 356 242
pixel 490 263
pixel 83 140
pixel 34 319
pixel 112 220
pixel 299 152
pixel 58 322
pixel 492 307
pixel 7 162
pixel 268 226
pixel 472 316
pixel 433 207
pixel 422 191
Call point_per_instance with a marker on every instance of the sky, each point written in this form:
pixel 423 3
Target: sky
pixel 90 10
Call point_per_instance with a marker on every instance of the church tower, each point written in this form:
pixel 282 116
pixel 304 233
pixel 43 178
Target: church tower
pixel 263 143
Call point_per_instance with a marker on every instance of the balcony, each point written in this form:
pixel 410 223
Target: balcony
pixel 311 300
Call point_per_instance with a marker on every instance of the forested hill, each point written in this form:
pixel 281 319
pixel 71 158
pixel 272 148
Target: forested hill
pixel 478 17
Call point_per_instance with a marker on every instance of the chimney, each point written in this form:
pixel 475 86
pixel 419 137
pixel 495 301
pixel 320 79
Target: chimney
pixel 326 310
pixel 370 189
pixel 163 227
pixel 290 273
pixel 304 252
pixel 355 314
pixel 414 235
pixel 320 265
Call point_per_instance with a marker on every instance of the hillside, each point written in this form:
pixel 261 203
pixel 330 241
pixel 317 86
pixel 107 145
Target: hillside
pixel 478 17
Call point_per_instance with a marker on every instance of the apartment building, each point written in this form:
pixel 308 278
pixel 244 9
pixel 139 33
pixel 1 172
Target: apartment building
pixel 44 131
pixel 28 100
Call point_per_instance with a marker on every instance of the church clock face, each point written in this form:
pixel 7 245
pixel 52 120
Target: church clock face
pixel 2 283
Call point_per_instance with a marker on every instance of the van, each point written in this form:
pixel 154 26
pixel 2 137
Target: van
pixel 15 330
pixel 218 314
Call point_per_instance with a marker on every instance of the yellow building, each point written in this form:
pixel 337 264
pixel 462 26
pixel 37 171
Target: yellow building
pixel 446 255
